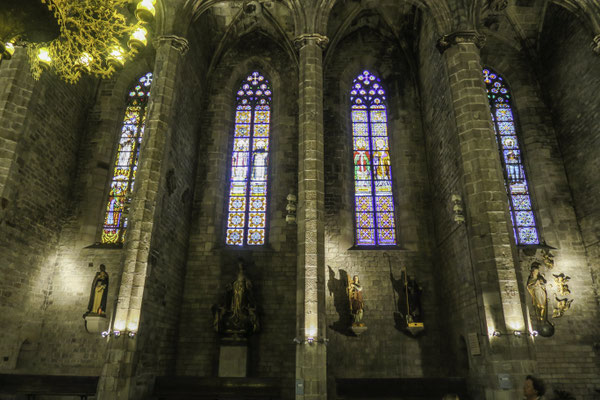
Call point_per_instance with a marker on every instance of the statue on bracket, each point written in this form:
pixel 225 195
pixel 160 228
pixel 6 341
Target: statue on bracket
pixel 355 298
pixel 237 316
pixel 536 286
pixel 99 293
pixel 356 302
pixel 409 317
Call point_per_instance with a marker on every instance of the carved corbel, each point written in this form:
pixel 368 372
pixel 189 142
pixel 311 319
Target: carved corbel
pixel 596 44
pixel 181 44
pixel 460 37
pixel 306 38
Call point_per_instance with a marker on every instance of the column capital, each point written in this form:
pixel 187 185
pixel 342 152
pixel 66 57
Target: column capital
pixel 305 38
pixel 596 44
pixel 181 44
pixel 458 37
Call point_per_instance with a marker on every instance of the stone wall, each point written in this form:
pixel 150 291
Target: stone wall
pixel 569 75
pixel 38 199
pixel 211 264
pixel 383 351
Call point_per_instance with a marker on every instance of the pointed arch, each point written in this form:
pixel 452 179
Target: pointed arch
pixel 247 205
pixel 126 160
pixel 373 197
pixel 515 178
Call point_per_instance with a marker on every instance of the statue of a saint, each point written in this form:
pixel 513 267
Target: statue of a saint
pixel 99 292
pixel 536 286
pixel 237 316
pixel 355 298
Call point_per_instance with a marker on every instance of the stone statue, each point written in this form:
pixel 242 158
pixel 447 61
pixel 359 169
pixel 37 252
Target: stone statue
pixel 99 292
pixel 355 298
pixel 412 291
pixel 536 286
pixel 237 316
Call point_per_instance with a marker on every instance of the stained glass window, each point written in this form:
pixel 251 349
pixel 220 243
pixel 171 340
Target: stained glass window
pixel 247 206
pixel 125 167
pixel 517 188
pixel 374 201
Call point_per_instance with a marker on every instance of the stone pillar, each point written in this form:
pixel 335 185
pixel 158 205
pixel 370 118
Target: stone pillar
pixel 488 224
pixel 118 373
pixel 311 356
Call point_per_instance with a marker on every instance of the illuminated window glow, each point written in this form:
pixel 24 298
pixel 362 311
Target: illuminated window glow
pixel 520 205
pixel 128 153
pixel 374 201
pixel 247 206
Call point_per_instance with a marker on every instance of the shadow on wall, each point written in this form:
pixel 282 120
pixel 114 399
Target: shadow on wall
pixel 337 288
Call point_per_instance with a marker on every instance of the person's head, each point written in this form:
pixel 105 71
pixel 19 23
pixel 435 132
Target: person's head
pixel 450 396
pixel 533 387
pixel 535 268
pixel 102 267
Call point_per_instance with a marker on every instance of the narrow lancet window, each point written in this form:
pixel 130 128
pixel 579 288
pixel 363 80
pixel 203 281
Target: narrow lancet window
pixel 517 188
pixel 125 167
pixel 247 206
pixel 373 196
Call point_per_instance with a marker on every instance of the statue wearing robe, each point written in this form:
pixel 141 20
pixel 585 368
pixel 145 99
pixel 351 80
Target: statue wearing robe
pixel 99 292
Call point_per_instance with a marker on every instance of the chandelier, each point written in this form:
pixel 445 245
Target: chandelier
pixel 75 37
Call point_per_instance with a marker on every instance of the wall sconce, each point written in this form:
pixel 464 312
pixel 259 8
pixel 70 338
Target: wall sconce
pixel 459 215
pixel 118 334
pixel 310 340
pixel 290 218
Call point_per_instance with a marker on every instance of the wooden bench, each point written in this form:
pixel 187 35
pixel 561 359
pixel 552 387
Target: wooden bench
pixel 191 387
pixel 400 388
pixel 48 385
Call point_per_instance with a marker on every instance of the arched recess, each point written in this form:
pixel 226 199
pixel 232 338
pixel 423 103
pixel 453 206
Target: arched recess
pixel 515 178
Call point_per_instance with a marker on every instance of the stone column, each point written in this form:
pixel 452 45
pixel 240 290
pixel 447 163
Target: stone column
pixel 118 373
pixel 311 356
pixel 488 224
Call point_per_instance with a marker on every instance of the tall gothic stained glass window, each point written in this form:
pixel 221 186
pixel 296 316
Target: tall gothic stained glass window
pixel 247 206
pixel 520 205
pixel 374 202
pixel 128 153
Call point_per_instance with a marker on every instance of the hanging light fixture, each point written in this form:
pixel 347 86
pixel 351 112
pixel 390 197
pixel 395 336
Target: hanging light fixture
pixel 145 10
pixel 77 36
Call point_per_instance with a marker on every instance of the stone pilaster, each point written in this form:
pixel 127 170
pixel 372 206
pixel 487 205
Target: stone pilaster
pixel 311 359
pixel 118 373
pixel 488 225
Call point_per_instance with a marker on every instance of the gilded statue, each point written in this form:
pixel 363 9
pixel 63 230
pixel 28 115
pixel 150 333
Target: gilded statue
pixel 536 286
pixel 237 316
pixel 355 298
pixel 561 282
pixel 548 258
pixel 99 292
pixel 562 305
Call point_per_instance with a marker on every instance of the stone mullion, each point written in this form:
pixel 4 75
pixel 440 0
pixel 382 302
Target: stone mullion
pixel 118 371
pixel 483 182
pixel 311 358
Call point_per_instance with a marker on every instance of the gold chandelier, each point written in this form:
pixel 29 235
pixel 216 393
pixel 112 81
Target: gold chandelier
pixel 95 37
